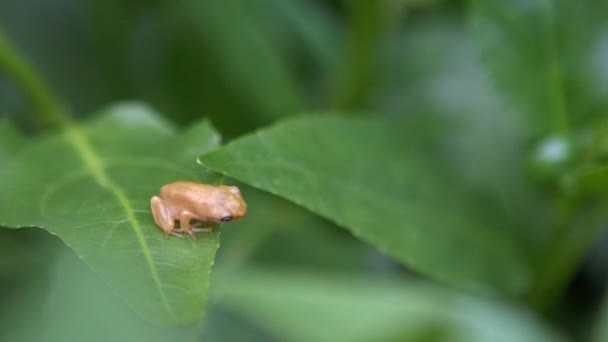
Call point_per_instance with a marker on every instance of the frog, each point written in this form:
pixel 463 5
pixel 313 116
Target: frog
pixel 185 201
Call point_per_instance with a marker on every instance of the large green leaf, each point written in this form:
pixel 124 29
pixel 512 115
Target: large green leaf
pixel 373 178
pixel 351 308
pixel 546 56
pixel 10 140
pixel 91 185
pixel 280 233
pixel 89 310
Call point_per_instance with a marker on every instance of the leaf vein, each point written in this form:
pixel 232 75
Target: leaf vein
pixel 94 165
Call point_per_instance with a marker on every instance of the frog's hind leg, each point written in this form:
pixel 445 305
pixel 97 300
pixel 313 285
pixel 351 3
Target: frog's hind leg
pixel 187 226
pixel 162 217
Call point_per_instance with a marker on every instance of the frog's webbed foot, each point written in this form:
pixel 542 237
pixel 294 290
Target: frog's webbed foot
pixel 202 230
pixel 193 230
pixel 190 232
pixel 176 233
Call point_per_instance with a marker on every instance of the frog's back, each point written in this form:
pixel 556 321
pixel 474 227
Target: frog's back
pixel 187 191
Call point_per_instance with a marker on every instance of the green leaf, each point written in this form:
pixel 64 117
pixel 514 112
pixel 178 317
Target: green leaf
pixel 373 178
pixel 278 232
pixel 91 185
pixel 244 54
pixel 89 310
pixel 600 331
pixel 593 181
pixel 28 246
pixel 545 55
pixel 312 28
pixel 10 140
pixel 353 308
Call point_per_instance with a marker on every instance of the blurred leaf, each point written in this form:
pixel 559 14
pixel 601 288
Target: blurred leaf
pixel 313 26
pixel 350 308
pixel 223 325
pixel 546 67
pixel 25 256
pixel 373 178
pixel 78 306
pixel 245 56
pixel 485 143
pixel 10 140
pixel 30 247
pixel 600 332
pixel 594 180
pixel 280 233
pixel 356 75
pixel 91 185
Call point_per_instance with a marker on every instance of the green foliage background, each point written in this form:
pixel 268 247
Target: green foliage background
pixel 415 170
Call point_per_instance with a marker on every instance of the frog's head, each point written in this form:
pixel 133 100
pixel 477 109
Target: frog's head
pixel 234 206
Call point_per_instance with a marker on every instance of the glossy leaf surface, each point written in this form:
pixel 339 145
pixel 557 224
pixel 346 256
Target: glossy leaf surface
pixel 370 177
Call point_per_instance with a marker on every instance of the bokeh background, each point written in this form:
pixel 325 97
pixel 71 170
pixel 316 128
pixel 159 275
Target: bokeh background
pixel 246 64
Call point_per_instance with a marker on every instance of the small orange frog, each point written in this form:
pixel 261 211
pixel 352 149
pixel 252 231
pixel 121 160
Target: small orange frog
pixel 186 201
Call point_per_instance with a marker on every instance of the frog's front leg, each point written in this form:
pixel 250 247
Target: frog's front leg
pixel 162 217
pixel 186 226
pixel 184 222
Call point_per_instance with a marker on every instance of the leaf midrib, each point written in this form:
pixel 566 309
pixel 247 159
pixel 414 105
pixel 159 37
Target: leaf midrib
pixel 76 138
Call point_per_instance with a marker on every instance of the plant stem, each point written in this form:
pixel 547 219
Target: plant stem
pixel 564 253
pixel 551 273
pixel 355 77
pixel 49 109
pixel 566 245
pixel 555 80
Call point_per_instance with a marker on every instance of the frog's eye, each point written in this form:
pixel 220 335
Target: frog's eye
pixel 226 218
